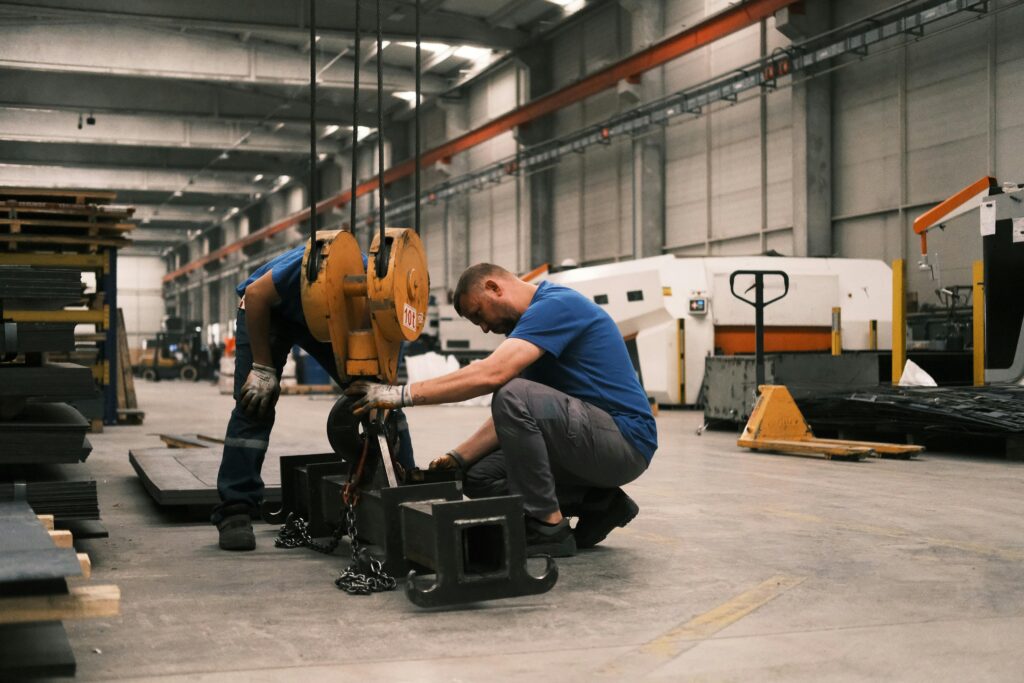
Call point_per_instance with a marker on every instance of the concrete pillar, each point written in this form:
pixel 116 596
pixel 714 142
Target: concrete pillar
pixel 456 229
pixel 812 139
pixel 647 26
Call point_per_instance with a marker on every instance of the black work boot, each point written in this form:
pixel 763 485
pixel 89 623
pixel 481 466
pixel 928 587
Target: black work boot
pixel 601 511
pixel 235 528
pixel 555 540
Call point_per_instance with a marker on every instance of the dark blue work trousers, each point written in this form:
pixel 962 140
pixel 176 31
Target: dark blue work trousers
pixel 248 436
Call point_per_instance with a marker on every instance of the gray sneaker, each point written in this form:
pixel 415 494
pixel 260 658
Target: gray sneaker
pixel 554 540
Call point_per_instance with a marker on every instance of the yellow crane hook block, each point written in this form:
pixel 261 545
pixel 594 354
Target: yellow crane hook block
pixel 777 425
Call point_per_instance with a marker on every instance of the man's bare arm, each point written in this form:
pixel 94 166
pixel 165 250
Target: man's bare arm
pixel 260 296
pixel 476 379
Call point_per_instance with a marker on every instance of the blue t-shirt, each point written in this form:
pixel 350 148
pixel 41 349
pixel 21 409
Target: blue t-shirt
pixel 587 359
pixel 286 272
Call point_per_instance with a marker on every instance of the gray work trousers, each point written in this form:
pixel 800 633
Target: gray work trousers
pixel 553 449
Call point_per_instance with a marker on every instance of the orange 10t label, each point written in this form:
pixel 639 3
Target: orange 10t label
pixel 409 317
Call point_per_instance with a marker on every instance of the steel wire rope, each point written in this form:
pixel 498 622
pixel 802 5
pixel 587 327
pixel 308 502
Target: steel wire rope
pixel 313 264
pixel 381 262
pixel 355 125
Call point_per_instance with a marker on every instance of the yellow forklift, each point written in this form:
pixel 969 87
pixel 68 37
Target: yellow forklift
pixel 177 352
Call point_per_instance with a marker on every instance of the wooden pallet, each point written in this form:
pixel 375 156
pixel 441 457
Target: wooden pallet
pixel 63 196
pixel 110 212
pixel 93 227
pixel 76 602
pixel 72 243
pixel 127 402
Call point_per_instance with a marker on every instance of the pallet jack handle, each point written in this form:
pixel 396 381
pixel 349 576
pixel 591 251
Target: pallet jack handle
pixel 759 305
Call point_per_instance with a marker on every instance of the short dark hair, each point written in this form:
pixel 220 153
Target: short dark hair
pixel 471 278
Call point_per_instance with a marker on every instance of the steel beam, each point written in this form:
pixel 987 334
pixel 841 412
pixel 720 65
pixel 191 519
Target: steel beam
pixel 41 125
pixel 711 29
pixel 271 17
pixel 183 99
pixel 148 180
pixel 95 47
pixel 148 236
pixel 178 214
pixel 188 159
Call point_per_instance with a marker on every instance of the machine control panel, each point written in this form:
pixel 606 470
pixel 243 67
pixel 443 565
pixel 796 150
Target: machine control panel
pixel 698 304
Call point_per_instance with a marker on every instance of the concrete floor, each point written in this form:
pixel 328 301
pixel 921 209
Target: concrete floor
pixel 740 567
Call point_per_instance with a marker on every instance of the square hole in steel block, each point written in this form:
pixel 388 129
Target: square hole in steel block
pixel 483 550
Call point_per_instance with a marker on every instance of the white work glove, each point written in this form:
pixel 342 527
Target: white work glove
pixel 376 395
pixel 260 391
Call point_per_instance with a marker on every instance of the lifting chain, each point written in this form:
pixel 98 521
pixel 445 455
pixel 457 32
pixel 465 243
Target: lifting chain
pixel 365 575
pixel 295 534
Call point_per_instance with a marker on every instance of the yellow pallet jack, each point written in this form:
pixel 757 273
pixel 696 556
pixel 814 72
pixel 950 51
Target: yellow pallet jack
pixel 776 424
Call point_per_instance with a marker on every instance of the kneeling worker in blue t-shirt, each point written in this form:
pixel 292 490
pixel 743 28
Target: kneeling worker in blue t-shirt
pixel 569 423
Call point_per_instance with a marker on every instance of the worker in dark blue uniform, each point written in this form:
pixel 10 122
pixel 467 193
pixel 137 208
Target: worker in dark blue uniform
pixel 270 321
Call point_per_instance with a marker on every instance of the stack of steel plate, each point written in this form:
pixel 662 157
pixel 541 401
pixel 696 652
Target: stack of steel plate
pixel 32 568
pixel 40 288
pixel 67 492
pixel 33 426
pixel 42 438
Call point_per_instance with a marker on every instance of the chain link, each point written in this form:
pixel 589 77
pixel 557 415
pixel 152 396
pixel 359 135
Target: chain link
pixel 295 534
pixel 365 575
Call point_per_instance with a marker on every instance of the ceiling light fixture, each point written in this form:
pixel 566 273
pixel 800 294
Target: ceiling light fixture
pixel 429 47
pixel 407 95
pixel 472 53
pixel 363 132
pixel 258 177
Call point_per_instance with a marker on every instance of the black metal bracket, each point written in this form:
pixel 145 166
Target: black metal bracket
pixel 295 495
pixel 476 550
pixel 378 518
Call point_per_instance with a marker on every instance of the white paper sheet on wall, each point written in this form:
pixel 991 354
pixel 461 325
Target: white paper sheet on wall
pixel 1018 229
pixel 988 218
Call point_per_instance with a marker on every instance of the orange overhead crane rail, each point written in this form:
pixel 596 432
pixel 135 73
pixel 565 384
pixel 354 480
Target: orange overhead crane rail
pixel 708 31
pixel 966 199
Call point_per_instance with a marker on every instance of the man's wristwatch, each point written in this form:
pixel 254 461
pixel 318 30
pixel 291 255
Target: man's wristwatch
pixel 457 457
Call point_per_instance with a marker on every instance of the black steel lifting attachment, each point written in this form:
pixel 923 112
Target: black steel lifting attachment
pixel 475 549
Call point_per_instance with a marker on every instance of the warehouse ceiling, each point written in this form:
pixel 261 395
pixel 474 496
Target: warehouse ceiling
pixel 189 108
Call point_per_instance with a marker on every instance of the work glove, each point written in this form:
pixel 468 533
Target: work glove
pixel 449 461
pixel 375 395
pixel 260 391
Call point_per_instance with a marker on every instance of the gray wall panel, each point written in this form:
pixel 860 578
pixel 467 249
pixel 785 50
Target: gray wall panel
pixel 686 183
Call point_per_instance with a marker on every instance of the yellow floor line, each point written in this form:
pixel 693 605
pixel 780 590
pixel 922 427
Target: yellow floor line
pixel 686 636
pixel 895 532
